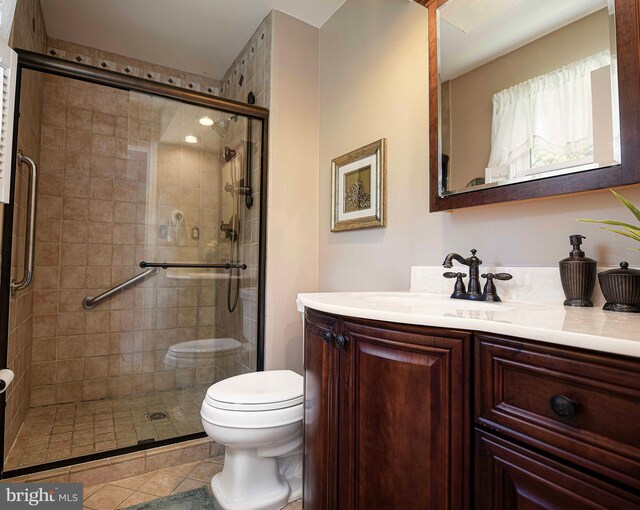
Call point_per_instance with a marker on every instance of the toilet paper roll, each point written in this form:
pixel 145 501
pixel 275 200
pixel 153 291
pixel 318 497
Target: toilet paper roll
pixel 6 376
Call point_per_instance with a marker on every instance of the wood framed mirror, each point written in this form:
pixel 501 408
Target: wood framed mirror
pixel 573 67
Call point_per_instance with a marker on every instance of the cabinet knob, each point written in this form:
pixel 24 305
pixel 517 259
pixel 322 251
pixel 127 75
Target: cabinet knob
pixel 341 341
pixel 563 406
pixel 327 336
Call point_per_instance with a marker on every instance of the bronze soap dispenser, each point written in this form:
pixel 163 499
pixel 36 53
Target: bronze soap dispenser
pixel 578 275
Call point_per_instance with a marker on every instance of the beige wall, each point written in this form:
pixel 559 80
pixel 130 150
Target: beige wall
pixel 292 244
pixel 471 94
pixel 373 84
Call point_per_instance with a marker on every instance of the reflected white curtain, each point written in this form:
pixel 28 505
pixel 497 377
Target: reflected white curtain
pixel 552 112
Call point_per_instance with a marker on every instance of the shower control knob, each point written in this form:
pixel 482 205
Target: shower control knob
pixel 327 337
pixel 341 341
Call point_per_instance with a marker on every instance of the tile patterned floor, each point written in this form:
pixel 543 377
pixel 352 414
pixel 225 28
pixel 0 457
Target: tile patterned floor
pixel 155 484
pixel 61 431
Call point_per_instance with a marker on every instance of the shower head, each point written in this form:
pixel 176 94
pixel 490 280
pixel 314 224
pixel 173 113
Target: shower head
pixel 222 126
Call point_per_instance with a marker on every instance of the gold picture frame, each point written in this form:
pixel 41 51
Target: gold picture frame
pixel 358 195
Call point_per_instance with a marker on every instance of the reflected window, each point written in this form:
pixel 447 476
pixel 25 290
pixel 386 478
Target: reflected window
pixel 547 123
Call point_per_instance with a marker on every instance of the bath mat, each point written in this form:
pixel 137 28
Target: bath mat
pixel 196 499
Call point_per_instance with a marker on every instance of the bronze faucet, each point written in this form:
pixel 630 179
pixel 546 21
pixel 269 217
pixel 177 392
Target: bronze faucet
pixel 474 272
pixel 473 292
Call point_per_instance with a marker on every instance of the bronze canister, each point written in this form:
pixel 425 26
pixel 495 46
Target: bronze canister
pixel 621 289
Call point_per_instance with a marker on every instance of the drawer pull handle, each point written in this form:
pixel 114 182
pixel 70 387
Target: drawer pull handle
pixel 327 337
pixel 341 341
pixel 563 406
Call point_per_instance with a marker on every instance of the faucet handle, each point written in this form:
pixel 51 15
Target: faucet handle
pixel 497 276
pixel 502 276
pixel 459 287
pixel 490 293
pixel 450 274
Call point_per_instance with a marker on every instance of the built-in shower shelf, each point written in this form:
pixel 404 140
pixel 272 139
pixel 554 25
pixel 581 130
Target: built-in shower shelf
pixel 181 274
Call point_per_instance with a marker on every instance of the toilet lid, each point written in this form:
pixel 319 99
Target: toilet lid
pixel 257 391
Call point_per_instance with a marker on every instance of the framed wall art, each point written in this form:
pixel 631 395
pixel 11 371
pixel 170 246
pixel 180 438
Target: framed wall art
pixel 358 188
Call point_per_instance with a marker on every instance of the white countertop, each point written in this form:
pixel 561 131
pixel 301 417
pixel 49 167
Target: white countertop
pixel 587 328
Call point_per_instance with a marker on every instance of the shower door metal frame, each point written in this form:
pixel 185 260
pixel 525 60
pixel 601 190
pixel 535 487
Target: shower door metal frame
pixel 31 61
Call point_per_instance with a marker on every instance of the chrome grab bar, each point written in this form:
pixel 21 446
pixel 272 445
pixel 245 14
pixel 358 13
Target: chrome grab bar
pixel 89 303
pixel 31 226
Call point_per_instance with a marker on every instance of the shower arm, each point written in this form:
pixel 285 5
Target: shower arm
pixel 167 265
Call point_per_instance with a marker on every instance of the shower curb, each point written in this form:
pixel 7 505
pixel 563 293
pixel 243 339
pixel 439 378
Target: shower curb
pixel 130 464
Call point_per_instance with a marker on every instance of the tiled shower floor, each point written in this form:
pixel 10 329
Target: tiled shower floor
pixel 62 431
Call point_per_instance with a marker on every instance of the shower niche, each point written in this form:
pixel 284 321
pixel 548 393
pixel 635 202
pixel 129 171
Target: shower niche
pixel 148 276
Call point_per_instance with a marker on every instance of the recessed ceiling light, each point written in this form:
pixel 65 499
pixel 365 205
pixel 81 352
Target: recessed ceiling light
pixel 191 139
pixel 206 121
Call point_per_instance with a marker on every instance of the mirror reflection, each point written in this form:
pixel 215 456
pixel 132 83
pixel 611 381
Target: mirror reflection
pixel 528 90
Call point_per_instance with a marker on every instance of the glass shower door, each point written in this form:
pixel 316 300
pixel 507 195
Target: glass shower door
pixel 129 178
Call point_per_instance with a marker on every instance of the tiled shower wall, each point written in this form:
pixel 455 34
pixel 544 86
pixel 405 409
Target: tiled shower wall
pixel 89 204
pixel 250 72
pixel 101 203
pixel 93 210
pixel 130 66
pixel 29 33
pixel 188 181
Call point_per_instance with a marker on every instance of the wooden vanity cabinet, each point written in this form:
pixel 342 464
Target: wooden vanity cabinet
pixel 391 424
pixel 387 421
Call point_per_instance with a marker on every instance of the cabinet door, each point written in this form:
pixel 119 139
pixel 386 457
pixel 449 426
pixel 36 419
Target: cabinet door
pixel 510 477
pixel 320 413
pixel 404 422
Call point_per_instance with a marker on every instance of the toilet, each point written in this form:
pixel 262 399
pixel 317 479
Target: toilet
pixel 208 351
pixel 258 418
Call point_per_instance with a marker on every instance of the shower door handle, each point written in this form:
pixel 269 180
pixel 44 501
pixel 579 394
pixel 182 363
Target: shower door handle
pixel 31 226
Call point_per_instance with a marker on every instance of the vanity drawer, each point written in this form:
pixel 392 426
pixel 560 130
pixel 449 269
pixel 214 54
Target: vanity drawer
pixel 596 420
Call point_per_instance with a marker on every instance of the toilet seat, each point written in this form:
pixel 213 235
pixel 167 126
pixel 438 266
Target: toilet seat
pixel 255 400
pixel 257 391
pixel 251 419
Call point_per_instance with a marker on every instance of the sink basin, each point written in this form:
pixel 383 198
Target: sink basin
pixel 436 302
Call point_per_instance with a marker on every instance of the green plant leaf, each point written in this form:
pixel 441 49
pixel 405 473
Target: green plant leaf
pixel 634 210
pixel 630 231
pixel 634 232
pixel 612 222
pixel 630 235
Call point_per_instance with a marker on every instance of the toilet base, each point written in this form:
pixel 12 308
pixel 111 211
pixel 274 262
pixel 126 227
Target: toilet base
pixel 291 468
pixel 262 487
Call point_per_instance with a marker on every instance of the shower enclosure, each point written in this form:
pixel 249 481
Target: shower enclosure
pixel 148 248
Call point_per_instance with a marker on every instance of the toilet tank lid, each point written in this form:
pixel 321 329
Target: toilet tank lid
pixel 258 388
